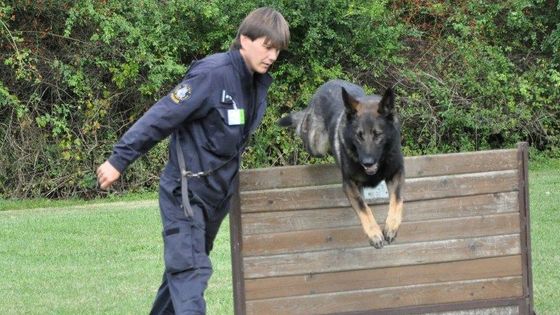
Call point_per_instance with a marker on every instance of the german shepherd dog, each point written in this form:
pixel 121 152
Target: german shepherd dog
pixel 362 132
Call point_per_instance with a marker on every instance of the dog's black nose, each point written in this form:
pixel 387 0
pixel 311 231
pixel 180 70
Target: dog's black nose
pixel 368 162
pixel 369 166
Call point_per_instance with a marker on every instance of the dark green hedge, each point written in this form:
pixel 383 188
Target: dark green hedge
pixel 469 75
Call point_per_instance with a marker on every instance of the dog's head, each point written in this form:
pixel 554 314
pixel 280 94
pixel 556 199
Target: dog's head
pixel 370 124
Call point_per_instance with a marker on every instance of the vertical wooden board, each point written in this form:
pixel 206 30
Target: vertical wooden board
pixel 386 298
pixel 523 172
pixel 354 280
pixel 236 243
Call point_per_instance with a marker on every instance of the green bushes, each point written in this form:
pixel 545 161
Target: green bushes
pixel 75 75
pixel 491 79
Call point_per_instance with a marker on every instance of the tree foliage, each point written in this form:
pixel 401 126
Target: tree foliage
pixel 75 75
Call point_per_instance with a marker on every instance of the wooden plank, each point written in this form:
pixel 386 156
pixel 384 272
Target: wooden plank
pixel 460 185
pixel 289 176
pixel 265 288
pixel 505 310
pixel 415 189
pixel 389 256
pixel 418 166
pixel 350 237
pixel 511 304
pixel 236 245
pixel 523 161
pixel 332 303
pixel 280 221
pixel 460 163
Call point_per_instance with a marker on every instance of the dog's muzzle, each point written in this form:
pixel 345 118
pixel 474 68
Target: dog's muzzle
pixel 370 169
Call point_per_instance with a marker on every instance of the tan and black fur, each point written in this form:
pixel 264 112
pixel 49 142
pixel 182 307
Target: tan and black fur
pixel 362 132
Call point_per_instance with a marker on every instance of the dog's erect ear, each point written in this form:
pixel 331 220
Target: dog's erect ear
pixel 350 102
pixel 387 104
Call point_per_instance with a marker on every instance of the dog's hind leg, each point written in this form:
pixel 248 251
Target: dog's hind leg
pixel 370 226
pixel 394 217
pixel 314 133
pixel 310 128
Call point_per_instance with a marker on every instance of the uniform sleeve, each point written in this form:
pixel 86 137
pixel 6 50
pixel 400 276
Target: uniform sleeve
pixel 161 120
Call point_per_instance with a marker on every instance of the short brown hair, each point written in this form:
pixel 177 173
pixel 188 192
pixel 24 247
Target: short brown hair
pixel 264 22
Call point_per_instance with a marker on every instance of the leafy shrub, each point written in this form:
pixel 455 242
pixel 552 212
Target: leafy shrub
pixel 469 75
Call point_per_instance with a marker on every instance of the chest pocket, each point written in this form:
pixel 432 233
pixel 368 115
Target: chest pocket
pixel 222 139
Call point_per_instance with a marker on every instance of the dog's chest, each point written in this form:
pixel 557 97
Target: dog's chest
pixel 358 175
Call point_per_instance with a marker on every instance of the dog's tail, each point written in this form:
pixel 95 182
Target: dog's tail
pixel 292 120
pixel 285 121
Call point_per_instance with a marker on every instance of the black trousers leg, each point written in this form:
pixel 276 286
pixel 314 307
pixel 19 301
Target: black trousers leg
pixel 163 304
pixel 187 265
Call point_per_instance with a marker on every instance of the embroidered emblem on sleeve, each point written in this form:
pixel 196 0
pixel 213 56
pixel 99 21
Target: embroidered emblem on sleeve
pixel 181 93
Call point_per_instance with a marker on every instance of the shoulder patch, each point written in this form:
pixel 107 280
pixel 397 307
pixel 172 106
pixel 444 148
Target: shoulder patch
pixel 181 93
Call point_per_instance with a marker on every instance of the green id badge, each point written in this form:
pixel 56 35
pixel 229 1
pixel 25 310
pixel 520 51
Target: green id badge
pixel 236 117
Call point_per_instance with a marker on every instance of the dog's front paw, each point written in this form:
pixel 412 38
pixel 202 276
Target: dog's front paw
pixel 391 227
pixel 390 235
pixel 376 241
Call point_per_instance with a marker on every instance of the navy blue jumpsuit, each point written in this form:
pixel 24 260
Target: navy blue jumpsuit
pixel 196 114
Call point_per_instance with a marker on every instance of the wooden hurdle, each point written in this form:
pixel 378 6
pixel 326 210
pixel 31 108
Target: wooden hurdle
pixel 463 247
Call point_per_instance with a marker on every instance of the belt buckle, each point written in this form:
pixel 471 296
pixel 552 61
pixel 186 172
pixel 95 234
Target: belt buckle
pixel 189 174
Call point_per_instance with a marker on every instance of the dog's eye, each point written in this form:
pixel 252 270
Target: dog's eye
pixel 360 135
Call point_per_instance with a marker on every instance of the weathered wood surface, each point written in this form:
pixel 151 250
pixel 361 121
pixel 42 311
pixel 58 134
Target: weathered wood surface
pixel 507 310
pixel 265 288
pixel 282 221
pixel 329 196
pixel 461 248
pixel 394 255
pixel 353 236
pixel 417 166
pixel 391 297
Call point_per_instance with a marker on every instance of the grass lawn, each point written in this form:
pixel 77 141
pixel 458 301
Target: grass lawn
pixel 544 197
pixel 98 259
pixel 105 258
